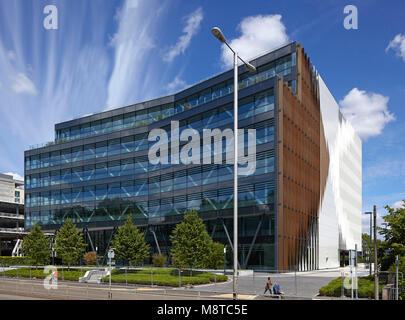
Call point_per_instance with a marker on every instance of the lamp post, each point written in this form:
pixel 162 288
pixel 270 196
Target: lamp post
pixel 219 35
pixel 224 259
pixel 376 297
pixel 369 249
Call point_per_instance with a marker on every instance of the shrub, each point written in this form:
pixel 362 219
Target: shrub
pixel 159 260
pixel 90 258
pixel 10 261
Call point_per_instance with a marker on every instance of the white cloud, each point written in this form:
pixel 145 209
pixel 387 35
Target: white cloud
pixel 192 26
pixel 367 111
pixel 260 34
pixel 22 84
pixel 11 55
pixel 132 77
pixel 176 85
pixel 398 45
pixel 398 204
pixel 16 176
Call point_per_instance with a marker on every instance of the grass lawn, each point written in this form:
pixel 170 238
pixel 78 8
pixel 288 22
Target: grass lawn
pixel 72 274
pixel 164 277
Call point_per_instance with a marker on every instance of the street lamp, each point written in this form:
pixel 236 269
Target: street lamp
pixel 371 216
pixel 220 36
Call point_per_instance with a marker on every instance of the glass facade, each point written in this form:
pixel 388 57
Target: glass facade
pixel 98 179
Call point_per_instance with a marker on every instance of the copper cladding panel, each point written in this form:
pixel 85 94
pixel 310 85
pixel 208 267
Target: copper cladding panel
pixel 300 144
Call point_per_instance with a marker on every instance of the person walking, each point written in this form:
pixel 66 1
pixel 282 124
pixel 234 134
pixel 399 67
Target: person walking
pixel 268 286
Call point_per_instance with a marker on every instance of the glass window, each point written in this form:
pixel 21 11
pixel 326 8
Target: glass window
pixel 127 144
pixel 118 122
pixel 89 151
pixel 77 195
pixel 101 191
pixel 129 120
pixel 96 127
pixel 114 190
pixel 45 160
pixel 55 158
pixel 66 196
pixel 35 164
pixel 141 165
pixel 114 168
pixel 101 171
pixel 77 174
pixel 28 163
pixel 127 167
pixel 66 175
pixel 106 125
pixel 75 132
pixel 55 197
pixel 114 147
pixel 89 193
pixel 65 156
pixel 88 172
pixel 85 130
pixel 141 118
pixel 141 187
pixel 101 149
pixel 77 153
pixel 127 189
pixel 55 177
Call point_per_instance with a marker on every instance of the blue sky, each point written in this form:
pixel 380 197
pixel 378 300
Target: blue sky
pixel 107 54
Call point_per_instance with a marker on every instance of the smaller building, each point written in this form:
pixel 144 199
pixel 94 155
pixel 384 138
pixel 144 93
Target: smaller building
pixel 11 215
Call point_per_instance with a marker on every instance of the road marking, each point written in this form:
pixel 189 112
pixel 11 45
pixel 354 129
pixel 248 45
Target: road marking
pixel 240 296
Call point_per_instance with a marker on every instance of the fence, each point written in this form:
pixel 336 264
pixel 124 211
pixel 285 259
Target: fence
pixel 128 282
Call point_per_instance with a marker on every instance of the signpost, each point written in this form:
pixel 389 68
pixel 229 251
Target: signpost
pixel 110 257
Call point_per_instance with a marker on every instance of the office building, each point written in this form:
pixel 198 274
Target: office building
pixel 298 210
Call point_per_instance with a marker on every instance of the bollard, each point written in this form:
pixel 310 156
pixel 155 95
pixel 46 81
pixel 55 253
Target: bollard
pixel 151 276
pixel 179 279
pixel 126 279
pixel 342 291
pixel 87 290
pixel 30 273
pixel 63 275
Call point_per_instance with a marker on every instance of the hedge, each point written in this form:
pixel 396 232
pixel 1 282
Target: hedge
pixel 72 274
pixel 13 261
pixel 164 277
pixel 365 285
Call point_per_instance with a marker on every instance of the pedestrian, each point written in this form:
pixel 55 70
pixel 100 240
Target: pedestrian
pixel 268 286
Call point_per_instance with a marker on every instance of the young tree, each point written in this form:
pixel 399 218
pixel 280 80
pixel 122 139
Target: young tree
pixel 69 243
pixel 129 243
pixel 393 231
pixel 216 256
pixel 36 247
pixel 191 242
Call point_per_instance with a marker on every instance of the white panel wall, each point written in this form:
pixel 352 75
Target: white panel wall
pixel 340 208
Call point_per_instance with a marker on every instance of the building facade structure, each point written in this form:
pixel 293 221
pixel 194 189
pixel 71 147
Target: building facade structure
pixel 11 214
pixel 97 171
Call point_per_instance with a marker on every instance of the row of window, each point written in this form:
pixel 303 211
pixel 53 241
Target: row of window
pixel 130 166
pixel 280 67
pixel 218 117
pixel 187 178
pixel 116 209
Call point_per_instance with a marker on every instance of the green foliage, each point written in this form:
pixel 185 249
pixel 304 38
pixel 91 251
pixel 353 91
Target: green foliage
pixel 159 260
pixel 38 273
pixel 164 277
pixel 215 256
pixel 366 288
pixel 393 231
pixel 191 242
pixel 90 258
pixel 69 243
pixel 36 247
pixel 129 243
pixel 14 261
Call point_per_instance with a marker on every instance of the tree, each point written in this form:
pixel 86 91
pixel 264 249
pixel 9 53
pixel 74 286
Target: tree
pixel 91 258
pixel 36 247
pixel 216 256
pixel 191 242
pixel 393 231
pixel 69 243
pixel 129 243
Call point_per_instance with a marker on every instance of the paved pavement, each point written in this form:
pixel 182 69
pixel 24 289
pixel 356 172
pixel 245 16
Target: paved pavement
pixel 302 285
